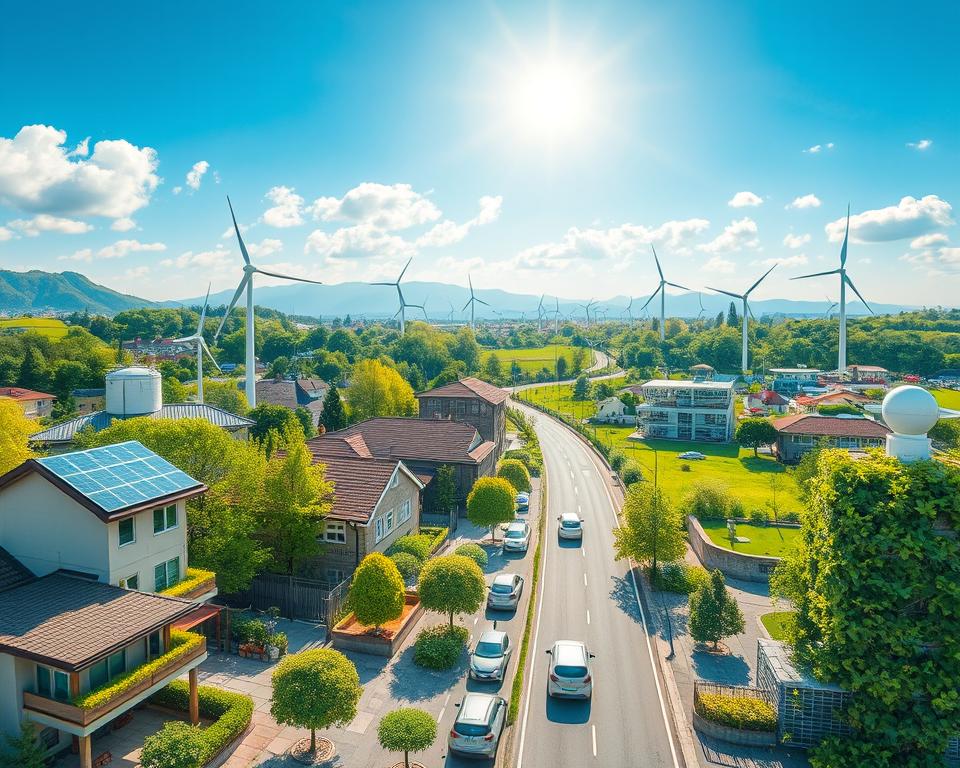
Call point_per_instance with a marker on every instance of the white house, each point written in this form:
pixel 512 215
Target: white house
pixel 686 410
pixel 612 411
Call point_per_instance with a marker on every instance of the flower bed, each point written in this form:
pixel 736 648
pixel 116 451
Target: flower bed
pixel 195 579
pixel 350 634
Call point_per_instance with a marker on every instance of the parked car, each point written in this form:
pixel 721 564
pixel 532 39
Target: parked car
pixel 692 456
pixel 571 526
pixel 569 670
pixel 523 502
pixel 478 726
pixel 505 591
pixel 488 661
pixel 517 537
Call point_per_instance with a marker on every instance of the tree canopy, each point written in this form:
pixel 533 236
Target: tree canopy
pixel 491 502
pixel 452 584
pixel 755 432
pixel 515 473
pixel 714 614
pixel 378 390
pixel 652 528
pixel 15 430
pixel 376 592
pixel 407 730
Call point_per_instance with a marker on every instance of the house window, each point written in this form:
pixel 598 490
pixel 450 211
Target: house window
pixel 379 528
pixel 165 575
pixel 335 532
pixel 335 576
pixel 404 512
pixel 475 407
pixel 127 532
pixel 104 671
pixel 131 582
pixel 165 518
pixel 52 683
pixel 389 521
pixel 153 644
pixel 395 480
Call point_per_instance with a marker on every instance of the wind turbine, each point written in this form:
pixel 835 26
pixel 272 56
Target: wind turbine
pixel 844 282
pixel 746 310
pixel 540 313
pixel 586 309
pixel 246 282
pixel 402 312
pixel 450 318
pixel 833 306
pixel 423 306
pixel 197 338
pixel 702 310
pixel 660 289
pixel 556 316
pixel 628 311
pixel 472 301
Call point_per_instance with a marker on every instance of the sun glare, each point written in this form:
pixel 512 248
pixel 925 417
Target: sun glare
pixel 550 100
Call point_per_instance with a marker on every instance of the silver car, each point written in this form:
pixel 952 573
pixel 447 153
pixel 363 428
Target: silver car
pixel 517 537
pixel 488 661
pixel 569 672
pixel 571 526
pixel 505 591
pixel 479 724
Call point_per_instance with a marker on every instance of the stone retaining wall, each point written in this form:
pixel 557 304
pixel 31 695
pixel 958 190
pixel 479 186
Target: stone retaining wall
pixel 734 735
pixel 733 564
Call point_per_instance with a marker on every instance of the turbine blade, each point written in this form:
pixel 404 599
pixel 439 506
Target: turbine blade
pixel 467 304
pixel 288 277
pixel 183 340
pixel 675 285
pixel 232 304
pixel 206 349
pixel 203 312
pixel 652 297
pixel 403 271
pixel 726 293
pixel 750 310
pixel 850 283
pixel 381 283
pixel 760 280
pixel 243 248
pixel 816 274
pixel 481 301
pixel 657 260
pixel 846 233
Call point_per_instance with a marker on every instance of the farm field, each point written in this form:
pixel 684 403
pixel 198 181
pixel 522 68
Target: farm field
pixel 766 540
pixel 560 398
pixel 947 398
pixel 46 326
pixel 532 359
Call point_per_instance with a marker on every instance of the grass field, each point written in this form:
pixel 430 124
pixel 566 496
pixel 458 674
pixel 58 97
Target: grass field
pixel 947 398
pixel 46 326
pixel 766 540
pixel 560 398
pixel 776 624
pixel 532 359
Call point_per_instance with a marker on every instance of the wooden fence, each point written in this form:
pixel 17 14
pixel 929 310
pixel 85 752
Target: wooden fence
pixel 296 597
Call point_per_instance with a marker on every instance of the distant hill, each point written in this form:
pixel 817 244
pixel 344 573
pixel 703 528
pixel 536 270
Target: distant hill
pixel 37 291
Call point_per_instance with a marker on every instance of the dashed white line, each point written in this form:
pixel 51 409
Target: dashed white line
pixel 444 709
pixel 583 552
pixel 576 490
pixel 579 510
pixel 584 579
pixel 447 700
pixel 593 731
pixel 571 474
pixel 588 617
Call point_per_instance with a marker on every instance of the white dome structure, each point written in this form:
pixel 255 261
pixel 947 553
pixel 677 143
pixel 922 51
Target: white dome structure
pixel 134 391
pixel 910 411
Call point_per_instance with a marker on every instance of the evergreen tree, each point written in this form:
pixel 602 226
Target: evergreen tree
pixel 719 320
pixel 581 390
pixel 714 614
pixel 732 319
pixel 493 369
pixel 33 370
pixel 333 416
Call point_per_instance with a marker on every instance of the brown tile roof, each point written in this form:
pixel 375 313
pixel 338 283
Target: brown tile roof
pixel 469 387
pixel 13 573
pixel 829 426
pixel 19 393
pixel 70 622
pixel 413 439
pixel 832 398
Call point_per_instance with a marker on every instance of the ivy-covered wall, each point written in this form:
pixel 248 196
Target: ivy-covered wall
pixel 876 584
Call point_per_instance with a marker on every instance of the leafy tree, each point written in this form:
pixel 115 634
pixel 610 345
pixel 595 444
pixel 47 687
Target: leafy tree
pixel 450 374
pixel 732 319
pixel 581 389
pixel 408 566
pixel 343 341
pixel 946 432
pixel 173 391
pixel 580 358
pixel 315 689
pixel 562 367
pixel 279 367
pixel 376 390
pixel 272 418
pixel 407 730
pixel 33 371
pixel 333 416
pixel 602 390
pixel 490 503
pixel 451 584
pixel 15 431
pixel 25 750
pixel 752 433
pixel 718 320
pixel 466 350
pixel 376 592
pixel 714 614
pixel 445 489
pixel 305 417
pixel 68 375
pixel 652 530
pixel 493 369
pixel 176 745
pixel 513 471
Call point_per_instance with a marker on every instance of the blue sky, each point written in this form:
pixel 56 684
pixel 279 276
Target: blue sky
pixel 541 146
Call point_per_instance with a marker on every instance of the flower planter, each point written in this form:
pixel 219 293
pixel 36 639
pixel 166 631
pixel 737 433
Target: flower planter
pixel 351 635
pixel 250 651
pixel 734 735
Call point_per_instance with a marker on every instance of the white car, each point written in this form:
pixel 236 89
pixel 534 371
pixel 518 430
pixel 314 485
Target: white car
pixel 569 675
pixel 571 526
pixel 488 661
pixel 692 455
pixel 517 537
pixel 505 591
pixel 476 731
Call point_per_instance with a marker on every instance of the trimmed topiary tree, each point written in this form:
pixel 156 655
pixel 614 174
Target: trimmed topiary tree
pixel 491 502
pixel 176 745
pixel 714 614
pixel 408 565
pixel 407 730
pixel 475 552
pixel 315 689
pixel 515 473
pixel 376 592
pixel 452 584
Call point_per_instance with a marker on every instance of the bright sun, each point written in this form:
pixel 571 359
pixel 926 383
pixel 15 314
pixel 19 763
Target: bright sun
pixel 550 100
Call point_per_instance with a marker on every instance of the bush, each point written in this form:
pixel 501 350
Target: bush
pixel 475 552
pixel 491 501
pixel 407 730
pixel 515 473
pixel 686 468
pixel 708 501
pixel 279 640
pixel 376 592
pixel 714 614
pixel 617 459
pixel 249 630
pixel 631 473
pixel 736 712
pixel 681 578
pixel 419 545
pixel 440 647
pixel 24 751
pixel 176 745
pixel 525 458
pixel 408 565
pixel 759 516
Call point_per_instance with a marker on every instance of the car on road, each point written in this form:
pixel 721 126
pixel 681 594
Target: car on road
pixel 692 455
pixel 476 731
pixel 523 502
pixel 505 591
pixel 568 675
pixel 571 526
pixel 517 537
pixel 488 661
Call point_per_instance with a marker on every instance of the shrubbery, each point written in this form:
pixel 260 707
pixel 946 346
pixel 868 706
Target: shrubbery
pixel 475 552
pixel 617 459
pixel 736 712
pixel 408 565
pixel 708 501
pixel 515 473
pixel 419 545
pixel 524 456
pixel 440 647
pixel 681 578
pixel 631 472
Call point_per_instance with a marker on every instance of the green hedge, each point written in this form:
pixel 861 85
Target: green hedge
pixel 736 712
pixel 194 578
pixel 408 565
pixel 440 647
pixel 475 552
pixel 231 713
pixel 420 545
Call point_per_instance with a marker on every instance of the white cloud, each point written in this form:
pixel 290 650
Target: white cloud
pixel 177 190
pixel 817 148
pixel 796 241
pixel 5 234
pixel 745 200
pixel 217 260
pixel 928 241
pixel 123 225
pixel 909 218
pixel 805 201
pixel 265 248
pixel 39 175
pixel 738 234
pixel 117 250
pixel 358 242
pixel 718 264
pixel 448 232
pixel 84 254
pixel 44 222
pixel 81 150
pixel 387 207
pixel 936 262
pixel 195 174
pixel 920 145
pixel 230 232
pixel 287 208
pixel 797 260
pixel 134 272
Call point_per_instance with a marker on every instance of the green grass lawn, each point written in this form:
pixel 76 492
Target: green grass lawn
pixel 560 398
pixel 46 326
pixel 532 359
pixel 947 398
pixel 776 623
pixel 764 539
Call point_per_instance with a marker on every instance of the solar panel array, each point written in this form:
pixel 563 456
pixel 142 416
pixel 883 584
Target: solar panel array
pixel 119 476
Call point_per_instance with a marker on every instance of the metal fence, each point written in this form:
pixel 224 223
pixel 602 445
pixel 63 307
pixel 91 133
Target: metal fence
pixel 296 597
pixel 737 691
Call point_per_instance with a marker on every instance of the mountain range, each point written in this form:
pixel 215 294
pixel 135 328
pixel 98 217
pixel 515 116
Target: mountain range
pixel 37 291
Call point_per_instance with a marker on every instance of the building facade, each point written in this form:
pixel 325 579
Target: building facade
pixel 35 405
pixel 791 380
pixel 686 410
pixel 470 401
pixel 799 434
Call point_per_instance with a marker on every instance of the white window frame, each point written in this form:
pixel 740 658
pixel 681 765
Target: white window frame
pixel 404 513
pixel 389 517
pixel 395 480
pixel 335 532
pixel 378 529
pixel 133 524
pixel 126 580
pixel 176 512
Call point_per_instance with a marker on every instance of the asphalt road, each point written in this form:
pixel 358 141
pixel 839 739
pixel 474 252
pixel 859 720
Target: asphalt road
pixel 588 596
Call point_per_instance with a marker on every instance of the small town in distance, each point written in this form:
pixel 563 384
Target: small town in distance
pixel 478 393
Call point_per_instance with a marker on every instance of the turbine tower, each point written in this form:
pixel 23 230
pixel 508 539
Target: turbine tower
pixel 844 282
pixel 628 311
pixel 472 301
pixel 743 319
pixel 660 289
pixel 540 313
pixel 586 309
pixel 402 312
pixel 556 316
pixel 246 282
pixel 197 338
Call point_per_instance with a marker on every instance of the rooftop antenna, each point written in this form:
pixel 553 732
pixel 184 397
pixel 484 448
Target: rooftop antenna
pixel 746 309
pixel 660 289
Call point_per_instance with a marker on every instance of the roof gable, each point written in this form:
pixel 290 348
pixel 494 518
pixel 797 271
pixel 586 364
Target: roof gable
pixel 830 426
pixel 411 439
pixel 469 387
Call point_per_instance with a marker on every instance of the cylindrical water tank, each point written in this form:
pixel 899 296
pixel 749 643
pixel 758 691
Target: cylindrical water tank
pixel 134 391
